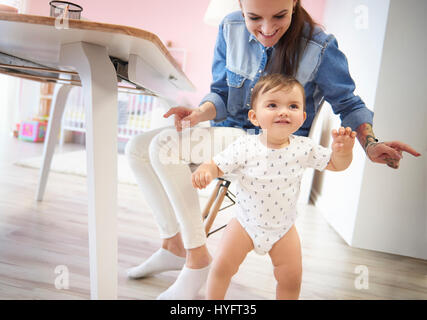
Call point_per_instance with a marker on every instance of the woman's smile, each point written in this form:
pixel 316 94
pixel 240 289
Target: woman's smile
pixel 269 39
pixel 268 36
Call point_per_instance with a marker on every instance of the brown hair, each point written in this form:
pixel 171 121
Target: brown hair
pixel 276 81
pixel 289 49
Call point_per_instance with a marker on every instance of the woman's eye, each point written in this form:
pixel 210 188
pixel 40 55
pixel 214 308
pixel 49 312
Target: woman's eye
pixel 254 18
pixel 280 17
pixel 272 105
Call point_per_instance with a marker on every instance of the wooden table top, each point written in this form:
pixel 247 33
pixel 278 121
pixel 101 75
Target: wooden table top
pixel 32 37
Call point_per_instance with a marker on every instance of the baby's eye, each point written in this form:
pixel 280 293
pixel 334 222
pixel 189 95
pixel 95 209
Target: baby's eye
pixel 272 105
pixel 293 107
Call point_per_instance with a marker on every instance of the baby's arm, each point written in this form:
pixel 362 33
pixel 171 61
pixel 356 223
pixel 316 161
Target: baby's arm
pixel 205 173
pixel 342 149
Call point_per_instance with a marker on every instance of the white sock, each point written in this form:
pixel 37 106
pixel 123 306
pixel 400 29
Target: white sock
pixel 162 260
pixel 187 285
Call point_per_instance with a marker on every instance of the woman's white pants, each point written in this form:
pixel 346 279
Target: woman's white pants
pixel 160 162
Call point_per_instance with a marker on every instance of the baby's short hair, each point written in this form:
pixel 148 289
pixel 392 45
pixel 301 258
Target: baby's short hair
pixel 276 81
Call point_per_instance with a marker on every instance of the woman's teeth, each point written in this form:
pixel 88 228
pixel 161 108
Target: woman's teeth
pixel 268 35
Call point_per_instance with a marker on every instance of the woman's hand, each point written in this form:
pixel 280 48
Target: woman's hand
pixel 184 117
pixel 389 152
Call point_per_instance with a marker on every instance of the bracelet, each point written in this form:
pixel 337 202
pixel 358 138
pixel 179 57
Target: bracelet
pixel 370 140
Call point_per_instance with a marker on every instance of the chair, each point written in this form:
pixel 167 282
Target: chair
pixel 213 206
pixel 217 197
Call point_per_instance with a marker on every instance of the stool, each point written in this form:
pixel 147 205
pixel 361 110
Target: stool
pixel 217 197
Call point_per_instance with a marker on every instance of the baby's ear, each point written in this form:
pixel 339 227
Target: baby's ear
pixel 252 118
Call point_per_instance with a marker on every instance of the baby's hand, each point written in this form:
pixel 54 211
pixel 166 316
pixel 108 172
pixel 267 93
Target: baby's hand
pixel 201 177
pixel 343 140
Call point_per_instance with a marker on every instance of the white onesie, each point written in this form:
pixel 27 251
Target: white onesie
pixel 269 183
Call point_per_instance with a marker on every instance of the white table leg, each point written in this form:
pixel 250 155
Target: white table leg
pixel 52 137
pixel 99 83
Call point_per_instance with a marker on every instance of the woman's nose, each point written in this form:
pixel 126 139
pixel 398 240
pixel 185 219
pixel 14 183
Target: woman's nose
pixel 267 28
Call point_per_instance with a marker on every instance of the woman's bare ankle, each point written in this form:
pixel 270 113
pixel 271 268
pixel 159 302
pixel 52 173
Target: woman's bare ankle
pixel 174 245
pixel 198 258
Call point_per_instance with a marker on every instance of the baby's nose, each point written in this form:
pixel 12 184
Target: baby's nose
pixel 283 112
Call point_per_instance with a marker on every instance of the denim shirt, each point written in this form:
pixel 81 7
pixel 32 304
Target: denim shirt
pixel 240 60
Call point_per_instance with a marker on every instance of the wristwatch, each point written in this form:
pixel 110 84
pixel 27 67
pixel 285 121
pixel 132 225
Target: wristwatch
pixel 370 140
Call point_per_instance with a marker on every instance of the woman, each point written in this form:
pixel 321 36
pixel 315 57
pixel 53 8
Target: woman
pixel 266 36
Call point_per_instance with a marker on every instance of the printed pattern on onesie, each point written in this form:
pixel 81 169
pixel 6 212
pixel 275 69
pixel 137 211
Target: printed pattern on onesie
pixel 268 183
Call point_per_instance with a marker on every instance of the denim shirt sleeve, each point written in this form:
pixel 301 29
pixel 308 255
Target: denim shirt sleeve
pixel 334 80
pixel 219 88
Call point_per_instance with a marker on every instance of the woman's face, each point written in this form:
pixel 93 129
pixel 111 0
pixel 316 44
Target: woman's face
pixel 267 20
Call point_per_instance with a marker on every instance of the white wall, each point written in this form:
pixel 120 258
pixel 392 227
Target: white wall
pixel 9 111
pixel 11 102
pixel 392 214
pixel 370 205
pixel 359 26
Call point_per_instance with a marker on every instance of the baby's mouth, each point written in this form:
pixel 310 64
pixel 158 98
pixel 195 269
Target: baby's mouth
pixel 283 121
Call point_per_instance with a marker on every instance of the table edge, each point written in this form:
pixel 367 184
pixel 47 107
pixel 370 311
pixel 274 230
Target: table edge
pixel 96 26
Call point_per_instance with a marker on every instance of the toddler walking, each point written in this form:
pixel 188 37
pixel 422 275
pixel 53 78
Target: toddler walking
pixel 269 169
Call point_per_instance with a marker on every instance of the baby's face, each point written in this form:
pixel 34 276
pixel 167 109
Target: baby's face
pixel 279 112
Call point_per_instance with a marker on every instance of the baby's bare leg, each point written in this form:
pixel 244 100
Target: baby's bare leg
pixel 233 248
pixel 287 262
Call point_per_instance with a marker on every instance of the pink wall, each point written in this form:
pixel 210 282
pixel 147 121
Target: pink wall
pixel 315 8
pixel 178 21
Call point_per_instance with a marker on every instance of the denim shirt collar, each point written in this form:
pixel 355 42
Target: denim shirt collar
pixel 252 37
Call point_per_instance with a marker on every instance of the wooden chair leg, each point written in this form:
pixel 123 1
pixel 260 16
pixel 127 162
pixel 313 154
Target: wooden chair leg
pixel 216 199
pixel 211 200
pixel 213 213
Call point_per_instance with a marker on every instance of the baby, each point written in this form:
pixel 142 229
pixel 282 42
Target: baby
pixel 269 168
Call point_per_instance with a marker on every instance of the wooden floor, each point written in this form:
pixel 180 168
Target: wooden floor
pixel 36 238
